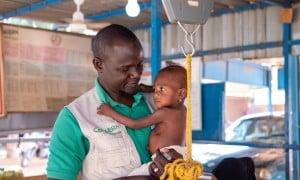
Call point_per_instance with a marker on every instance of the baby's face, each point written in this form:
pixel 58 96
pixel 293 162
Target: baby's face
pixel 165 93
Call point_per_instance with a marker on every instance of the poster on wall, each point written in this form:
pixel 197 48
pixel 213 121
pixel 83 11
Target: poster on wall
pixel 196 75
pixel 45 70
pixel 2 95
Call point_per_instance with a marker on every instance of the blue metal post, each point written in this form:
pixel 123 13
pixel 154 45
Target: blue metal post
pixel 156 13
pixel 269 79
pixel 292 82
pixel 286 53
pixel 293 103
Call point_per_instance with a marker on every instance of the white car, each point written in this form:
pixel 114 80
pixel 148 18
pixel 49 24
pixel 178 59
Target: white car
pixel 256 128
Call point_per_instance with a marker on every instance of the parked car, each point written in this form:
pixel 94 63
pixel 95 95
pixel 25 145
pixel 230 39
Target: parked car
pixel 256 128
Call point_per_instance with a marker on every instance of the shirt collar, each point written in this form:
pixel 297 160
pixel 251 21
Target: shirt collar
pixel 105 98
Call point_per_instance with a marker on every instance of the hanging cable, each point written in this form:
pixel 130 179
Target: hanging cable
pixel 187 169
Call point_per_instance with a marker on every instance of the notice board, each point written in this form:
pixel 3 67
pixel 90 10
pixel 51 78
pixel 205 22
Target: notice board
pixel 2 95
pixel 44 70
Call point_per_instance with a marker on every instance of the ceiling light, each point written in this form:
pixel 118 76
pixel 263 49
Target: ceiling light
pixel 132 8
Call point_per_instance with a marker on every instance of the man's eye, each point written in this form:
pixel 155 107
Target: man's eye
pixel 140 65
pixel 124 69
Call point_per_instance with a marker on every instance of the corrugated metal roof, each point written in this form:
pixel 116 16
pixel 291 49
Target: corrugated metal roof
pixel 104 11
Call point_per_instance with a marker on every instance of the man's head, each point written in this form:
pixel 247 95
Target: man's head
pixel 170 86
pixel 118 59
pixel 108 36
pixel 235 168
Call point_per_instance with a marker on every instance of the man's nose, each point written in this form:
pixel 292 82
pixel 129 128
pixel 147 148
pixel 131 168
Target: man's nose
pixel 135 72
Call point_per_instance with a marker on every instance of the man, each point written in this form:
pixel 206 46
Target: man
pixel 96 145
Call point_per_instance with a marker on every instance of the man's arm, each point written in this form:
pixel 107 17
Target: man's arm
pixel 65 134
pixel 107 110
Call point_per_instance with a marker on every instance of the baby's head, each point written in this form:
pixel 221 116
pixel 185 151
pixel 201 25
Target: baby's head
pixel 176 74
pixel 170 85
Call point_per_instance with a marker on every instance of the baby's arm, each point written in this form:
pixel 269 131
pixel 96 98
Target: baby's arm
pixel 107 110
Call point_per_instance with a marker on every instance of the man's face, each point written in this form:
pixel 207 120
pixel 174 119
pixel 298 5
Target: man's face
pixel 122 69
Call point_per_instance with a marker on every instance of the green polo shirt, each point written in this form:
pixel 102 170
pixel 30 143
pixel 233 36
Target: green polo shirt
pixel 68 146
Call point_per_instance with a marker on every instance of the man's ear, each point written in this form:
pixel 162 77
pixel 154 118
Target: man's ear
pixel 98 64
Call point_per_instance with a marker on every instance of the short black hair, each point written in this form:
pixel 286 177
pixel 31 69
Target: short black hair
pixel 177 72
pixel 106 37
pixel 235 168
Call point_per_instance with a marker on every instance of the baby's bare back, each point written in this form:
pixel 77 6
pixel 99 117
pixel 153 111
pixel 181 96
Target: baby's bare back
pixel 171 130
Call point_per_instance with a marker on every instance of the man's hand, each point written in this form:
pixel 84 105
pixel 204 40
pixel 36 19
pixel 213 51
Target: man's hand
pixel 156 168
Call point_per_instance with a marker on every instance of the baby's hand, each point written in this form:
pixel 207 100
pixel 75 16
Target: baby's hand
pixel 104 109
pixel 146 88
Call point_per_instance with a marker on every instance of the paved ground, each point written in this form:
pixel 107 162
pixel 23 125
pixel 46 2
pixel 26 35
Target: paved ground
pixel 36 167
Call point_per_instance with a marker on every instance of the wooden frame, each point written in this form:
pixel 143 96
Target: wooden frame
pixel 2 84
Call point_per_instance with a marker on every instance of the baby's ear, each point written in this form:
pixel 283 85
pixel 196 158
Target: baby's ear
pixel 182 92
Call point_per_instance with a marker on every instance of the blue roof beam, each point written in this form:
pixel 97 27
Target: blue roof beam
pixel 282 3
pixel 46 3
pixel 116 12
pixel 31 7
pixel 229 50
